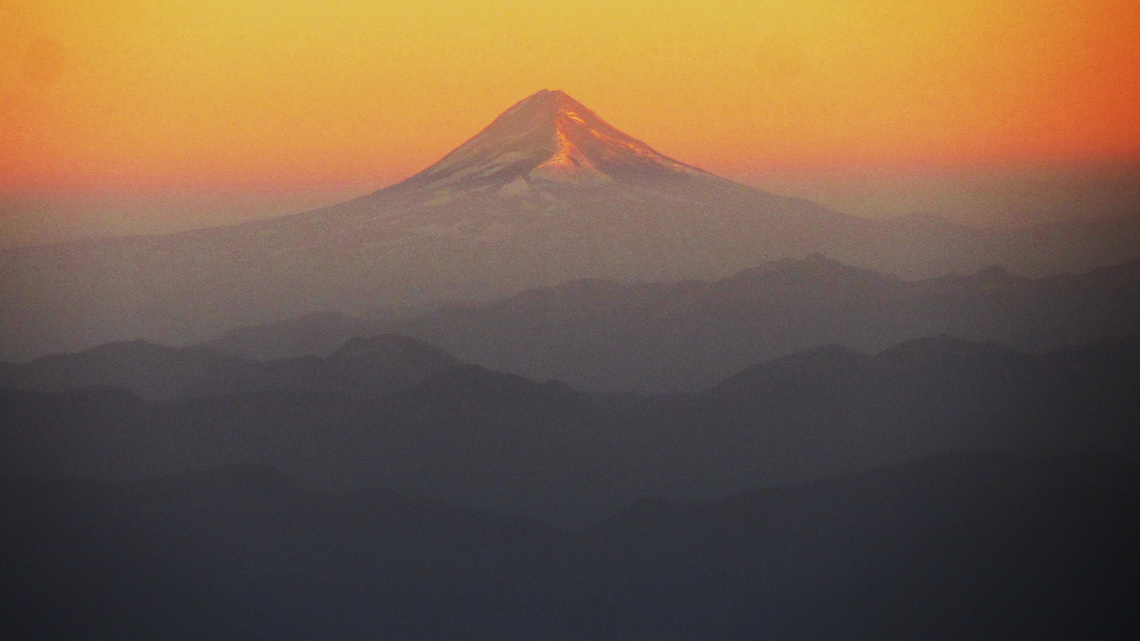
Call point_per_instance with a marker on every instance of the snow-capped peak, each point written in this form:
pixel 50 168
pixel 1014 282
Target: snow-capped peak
pixel 548 137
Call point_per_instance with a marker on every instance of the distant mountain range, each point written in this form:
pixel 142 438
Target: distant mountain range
pixel 978 546
pixel 486 439
pixel 547 193
pixel 559 385
pixel 360 368
pixel 689 335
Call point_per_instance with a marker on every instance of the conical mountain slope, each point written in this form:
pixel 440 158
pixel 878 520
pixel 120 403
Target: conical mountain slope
pixel 547 153
pixel 547 193
pixel 550 192
pixel 549 138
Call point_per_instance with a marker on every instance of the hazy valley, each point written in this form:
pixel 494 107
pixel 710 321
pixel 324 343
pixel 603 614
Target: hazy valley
pixel 559 385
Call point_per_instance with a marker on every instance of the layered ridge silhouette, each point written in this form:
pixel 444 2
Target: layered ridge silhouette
pixel 471 436
pixel 689 335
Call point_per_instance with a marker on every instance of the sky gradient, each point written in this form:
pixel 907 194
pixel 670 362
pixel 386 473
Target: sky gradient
pixel 306 102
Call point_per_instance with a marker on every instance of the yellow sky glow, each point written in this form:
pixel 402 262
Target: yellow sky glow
pixel 208 92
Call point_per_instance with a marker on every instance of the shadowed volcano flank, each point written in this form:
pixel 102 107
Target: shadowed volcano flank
pixel 549 138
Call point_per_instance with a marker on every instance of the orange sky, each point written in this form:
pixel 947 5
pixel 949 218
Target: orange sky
pixel 146 92
pixel 128 116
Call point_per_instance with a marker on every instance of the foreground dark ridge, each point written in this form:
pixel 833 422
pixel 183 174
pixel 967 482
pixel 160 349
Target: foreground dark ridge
pixel 476 437
pixel 965 546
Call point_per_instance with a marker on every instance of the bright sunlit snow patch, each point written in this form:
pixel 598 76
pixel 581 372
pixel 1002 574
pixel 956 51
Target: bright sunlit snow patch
pixel 552 138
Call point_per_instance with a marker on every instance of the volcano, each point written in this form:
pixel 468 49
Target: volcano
pixel 548 155
pixel 548 192
pixel 545 140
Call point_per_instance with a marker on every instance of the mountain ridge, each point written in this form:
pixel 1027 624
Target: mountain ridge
pixel 488 439
pixel 360 367
pixel 652 337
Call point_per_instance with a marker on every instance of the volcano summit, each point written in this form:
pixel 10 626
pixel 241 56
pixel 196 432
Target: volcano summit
pixel 549 137
pixel 547 193
pixel 547 154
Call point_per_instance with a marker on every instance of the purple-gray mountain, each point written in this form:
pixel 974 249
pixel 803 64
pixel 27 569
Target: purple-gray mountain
pixel 548 193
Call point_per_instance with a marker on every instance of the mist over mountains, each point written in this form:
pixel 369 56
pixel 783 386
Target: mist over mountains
pixel 559 385
pixel 601 335
pixel 481 438
pixel 548 193
pixel 1014 512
